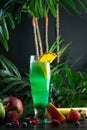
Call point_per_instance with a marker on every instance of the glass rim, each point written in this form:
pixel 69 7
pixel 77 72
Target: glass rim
pixel 34 58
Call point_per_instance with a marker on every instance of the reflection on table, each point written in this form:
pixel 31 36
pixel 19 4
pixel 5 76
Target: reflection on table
pixel 63 126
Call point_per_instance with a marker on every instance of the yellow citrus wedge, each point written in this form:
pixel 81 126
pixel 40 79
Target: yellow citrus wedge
pixel 44 69
pixel 47 57
pixel 54 113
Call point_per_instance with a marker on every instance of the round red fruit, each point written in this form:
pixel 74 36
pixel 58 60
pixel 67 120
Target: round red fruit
pixel 56 122
pixel 73 116
pixel 11 116
pixel 13 103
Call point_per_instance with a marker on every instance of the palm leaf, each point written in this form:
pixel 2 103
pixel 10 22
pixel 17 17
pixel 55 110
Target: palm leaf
pixel 69 76
pixel 34 8
pixel 58 68
pixel 40 7
pixel 63 49
pixel 57 80
pixel 55 44
pixel 7 64
pixel 10 79
pixel 82 5
pixel 77 79
pixel 2 39
pixel 12 84
pixel 7 79
pixel 63 6
pixel 58 42
pixel 4 28
pixel 4 73
pixel 70 4
pixel 22 86
pixel 51 6
pixel 10 20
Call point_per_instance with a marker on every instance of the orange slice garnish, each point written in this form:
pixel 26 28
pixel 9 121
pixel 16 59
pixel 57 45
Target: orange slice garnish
pixel 47 57
pixel 44 69
pixel 54 113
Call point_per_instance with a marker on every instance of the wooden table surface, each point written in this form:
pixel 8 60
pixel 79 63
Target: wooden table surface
pixel 63 126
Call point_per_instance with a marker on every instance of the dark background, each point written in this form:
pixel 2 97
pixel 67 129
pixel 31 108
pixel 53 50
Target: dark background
pixel 73 28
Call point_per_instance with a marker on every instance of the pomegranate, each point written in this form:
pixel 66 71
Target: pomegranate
pixel 13 103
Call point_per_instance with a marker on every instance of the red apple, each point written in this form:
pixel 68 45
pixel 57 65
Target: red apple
pixel 73 116
pixel 13 103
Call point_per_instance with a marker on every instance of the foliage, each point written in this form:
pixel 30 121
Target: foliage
pixel 68 89
pixel 11 11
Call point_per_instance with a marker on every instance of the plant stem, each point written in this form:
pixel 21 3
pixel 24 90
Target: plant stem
pixel 57 31
pixel 46 32
pixel 39 37
pixel 35 36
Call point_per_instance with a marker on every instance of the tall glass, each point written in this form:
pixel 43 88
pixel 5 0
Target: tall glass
pixel 40 82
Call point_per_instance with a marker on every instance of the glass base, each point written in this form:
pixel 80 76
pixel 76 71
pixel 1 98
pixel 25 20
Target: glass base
pixel 40 114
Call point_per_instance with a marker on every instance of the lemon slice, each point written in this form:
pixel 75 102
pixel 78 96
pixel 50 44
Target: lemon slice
pixel 47 57
pixel 44 69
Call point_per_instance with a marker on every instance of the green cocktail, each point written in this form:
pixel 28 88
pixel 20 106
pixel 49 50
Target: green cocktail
pixel 40 82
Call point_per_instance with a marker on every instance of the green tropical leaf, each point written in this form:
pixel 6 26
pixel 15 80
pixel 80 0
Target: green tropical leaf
pixel 4 73
pixel 11 84
pixel 63 49
pixel 58 68
pixel 40 7
pixel 69 76
pixel 3 40
pixel 4 28
pixel 51 7
pixel 55 44
pixel 25 93
pixel 22 86
pixel 82 5
pixel 10 20
pixel 77 78
pixel 9 65
pixel 58 80
pixel 34 8
pixel 63 6
pixel 72 5
pixel 4 66
pixel 7 80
